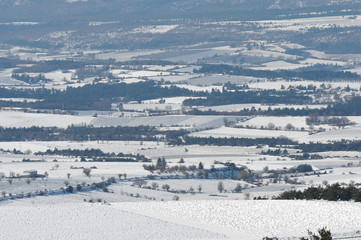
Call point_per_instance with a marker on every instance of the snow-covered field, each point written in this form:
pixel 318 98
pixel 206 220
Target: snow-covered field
pixel 179 220
pixel 301 24
pixel 152 106
pixel 218 78
pixel 256 219
pixel 180 77
pixel 105 146
pixel 125 55
pixel 192 154
pixel 92 221
pixel 20 119
pixel 154 29
pixel 278 84
pixel 240 107
pixel 59 76
pixel 332 134
pixel 186 121
pixel 350 133
pixel 223 132
pixel 277 65
pixel 132 212
pixel 280 122
pixel 120 73
pixel 19 99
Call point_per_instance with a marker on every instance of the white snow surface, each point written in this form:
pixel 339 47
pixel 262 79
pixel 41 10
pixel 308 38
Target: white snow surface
pixel 350 133
pixel 240 107
pixel 231 219
pixel 277 84
pixel 20 119
pixel 154 29
pixel 223 132
pixel 256 219
pixel 91 221
pixel 187 121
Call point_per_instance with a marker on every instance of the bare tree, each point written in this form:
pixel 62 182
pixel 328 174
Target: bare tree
pixel 11 174
pixel 155 185
pixel 87 172
pixel 271 126
pixel 140 182
pixel 247 196
pixel 238 188
pixel 289 127
pixel 166 187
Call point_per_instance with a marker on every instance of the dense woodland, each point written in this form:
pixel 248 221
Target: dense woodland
pixel 93 96
pixel 266 96
pixel 317 75
pixel 334 146
pixel 238 141
pixel 332 192
pixel 39 93
pixel 87 133
pixel 349 108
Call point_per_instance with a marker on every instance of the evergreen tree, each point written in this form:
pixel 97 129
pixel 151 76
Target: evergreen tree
pixel 220 186
pixel 200 166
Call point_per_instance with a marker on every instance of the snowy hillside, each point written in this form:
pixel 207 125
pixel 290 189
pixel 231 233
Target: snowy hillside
pixel 179 220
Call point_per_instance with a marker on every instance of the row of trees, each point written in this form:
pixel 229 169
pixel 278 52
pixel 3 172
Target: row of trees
pixel 96 155
pixel 142 183
pixel 333 121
